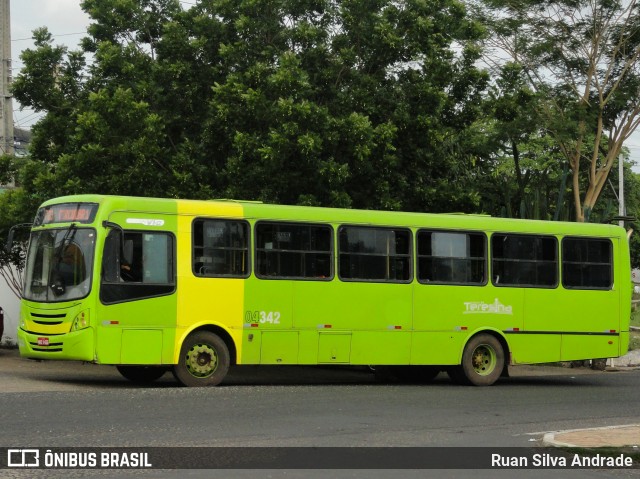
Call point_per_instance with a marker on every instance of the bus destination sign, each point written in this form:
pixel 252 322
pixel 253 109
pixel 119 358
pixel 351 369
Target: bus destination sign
pixel 66 213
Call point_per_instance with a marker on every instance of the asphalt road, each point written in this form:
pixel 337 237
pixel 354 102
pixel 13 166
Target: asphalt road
pixel 44 404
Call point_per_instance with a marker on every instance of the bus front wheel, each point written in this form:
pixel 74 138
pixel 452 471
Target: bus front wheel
pixel 482 361
pixel 204 360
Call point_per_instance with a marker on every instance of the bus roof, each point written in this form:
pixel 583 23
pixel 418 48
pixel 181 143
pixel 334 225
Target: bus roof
pixel 258 210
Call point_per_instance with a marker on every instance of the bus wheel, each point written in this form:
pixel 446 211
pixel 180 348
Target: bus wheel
pixel 142 374
pixel 482 361
pixel 204 360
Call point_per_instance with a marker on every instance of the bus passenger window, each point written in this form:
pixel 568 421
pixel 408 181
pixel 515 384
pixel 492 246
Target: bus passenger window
pixel 524 260
pixel 220 248
pixel 587 263
pixel 293 251
pixel 375 254
pixel 449 257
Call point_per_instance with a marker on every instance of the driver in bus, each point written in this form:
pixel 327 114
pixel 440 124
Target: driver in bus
pixel 72 268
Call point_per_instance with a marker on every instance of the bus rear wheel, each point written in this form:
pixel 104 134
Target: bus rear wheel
pixel 204 360
pixel 141 374
pixel 482 361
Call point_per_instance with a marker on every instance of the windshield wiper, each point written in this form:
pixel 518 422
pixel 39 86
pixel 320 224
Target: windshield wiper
pixel 57 283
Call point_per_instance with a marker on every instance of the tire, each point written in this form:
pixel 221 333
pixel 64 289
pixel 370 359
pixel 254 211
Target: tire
pixel 599 364
pixel 204 360
pixel 482 361
pixel 142 374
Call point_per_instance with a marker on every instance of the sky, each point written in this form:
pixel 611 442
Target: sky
pixel 68 23
pixel 64 19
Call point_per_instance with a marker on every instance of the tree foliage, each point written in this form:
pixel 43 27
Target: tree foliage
pixel 353 103
pixel 519 167
pixel 14 206
pixel 340 103
pixel 583 57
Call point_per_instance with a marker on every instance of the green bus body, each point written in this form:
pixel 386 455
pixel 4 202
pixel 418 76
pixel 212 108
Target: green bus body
pixel 226 282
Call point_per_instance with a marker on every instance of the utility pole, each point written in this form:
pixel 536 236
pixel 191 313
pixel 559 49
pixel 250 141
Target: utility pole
pixel 6 110
pixel 621 206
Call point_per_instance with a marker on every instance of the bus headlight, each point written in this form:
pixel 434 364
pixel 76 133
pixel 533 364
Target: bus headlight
pixel 81 321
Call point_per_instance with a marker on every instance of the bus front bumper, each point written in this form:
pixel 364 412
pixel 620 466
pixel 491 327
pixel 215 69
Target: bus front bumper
pixel 78 345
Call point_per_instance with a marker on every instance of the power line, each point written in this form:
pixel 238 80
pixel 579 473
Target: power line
pixel 29 115
pixel 58 35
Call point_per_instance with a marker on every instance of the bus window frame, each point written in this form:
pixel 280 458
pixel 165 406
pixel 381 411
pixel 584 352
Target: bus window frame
pixel 557 261
pixel 61 227
pixel 485 257
pixel 411 255
pixel 611 263
pixel 139 285
pixel 332 249
pixel 249 249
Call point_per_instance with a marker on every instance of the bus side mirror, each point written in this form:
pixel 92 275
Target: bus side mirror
pixel 109 224
pixel 115 226
pixel 9 243
pixel 12 231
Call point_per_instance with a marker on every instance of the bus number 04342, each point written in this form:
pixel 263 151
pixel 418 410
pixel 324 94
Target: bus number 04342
pixel 272 317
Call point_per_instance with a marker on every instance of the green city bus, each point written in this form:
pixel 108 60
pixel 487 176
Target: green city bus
pixel 195 287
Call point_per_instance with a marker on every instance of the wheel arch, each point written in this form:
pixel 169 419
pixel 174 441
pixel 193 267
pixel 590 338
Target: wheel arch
pixel 468 372
pixel 215 329
pixel 496 334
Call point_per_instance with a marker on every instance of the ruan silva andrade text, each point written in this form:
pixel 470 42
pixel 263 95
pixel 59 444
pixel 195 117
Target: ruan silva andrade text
pixel 549 460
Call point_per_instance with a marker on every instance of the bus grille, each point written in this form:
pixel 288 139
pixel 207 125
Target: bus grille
pixel 51 348
pixel 48 319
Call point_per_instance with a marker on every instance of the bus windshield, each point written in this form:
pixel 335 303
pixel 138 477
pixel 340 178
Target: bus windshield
pixel 59 264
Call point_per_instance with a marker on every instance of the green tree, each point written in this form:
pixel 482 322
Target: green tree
pixel 341 103
pixel 16 208
pixel 632 205
pixel 518 167
pixel 583 57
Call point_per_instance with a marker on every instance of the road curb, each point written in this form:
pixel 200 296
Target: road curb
pixel 608 436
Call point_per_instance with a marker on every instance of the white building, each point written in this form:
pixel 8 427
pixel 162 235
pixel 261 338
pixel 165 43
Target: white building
pixel 11 306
